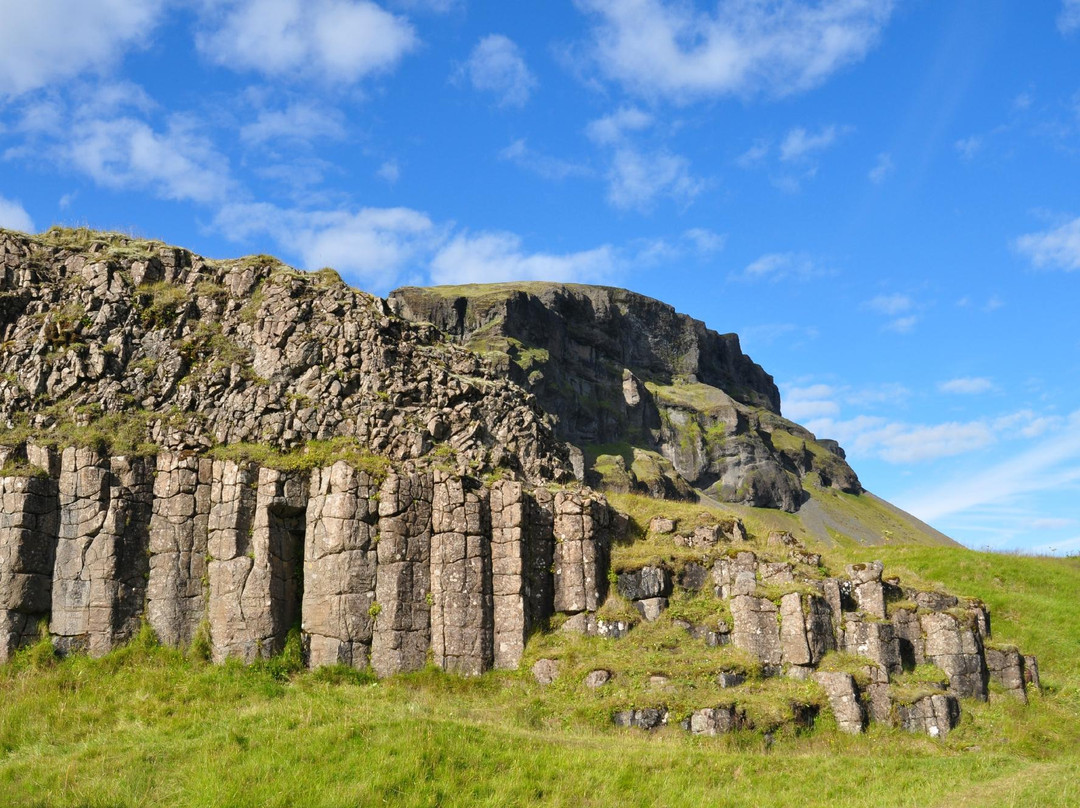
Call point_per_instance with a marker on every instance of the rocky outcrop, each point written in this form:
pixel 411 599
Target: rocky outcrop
pixel 151 350
pixel 679 404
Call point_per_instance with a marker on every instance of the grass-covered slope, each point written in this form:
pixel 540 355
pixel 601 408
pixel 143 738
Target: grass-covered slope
pixel 148 726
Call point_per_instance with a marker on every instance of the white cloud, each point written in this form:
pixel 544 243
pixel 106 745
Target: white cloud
pixel 902 325
pixel 890 304
pixel 46 41
pixel 636 178
pixel 612 128
pixel 882 169
pixel 755 154
pixel 372 245
pixel 673 50
pixel 812 401
pixel 13 216
pixel 126 153
pixel 1069 18
pixel 1049 466
pixel 435 6
pixel 543 165
pixel 967 385
pixel 389 171
pixel 497 66
pixel 799 143
pixel 298 123
pixel 1058 248
pixel 491 257
pixel 968 147
pixel 706 241
pixel 335 40
pixel 780 266
pixel 1052 523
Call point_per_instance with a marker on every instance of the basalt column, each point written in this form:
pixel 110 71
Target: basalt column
pixel 461 589
pixel 402 630
pixel 511 509
pixel 99 581
pixel 232 520
pixel 256 542
pixel 339 566
pixel 176 591
pixel 29 523
pixel 581 552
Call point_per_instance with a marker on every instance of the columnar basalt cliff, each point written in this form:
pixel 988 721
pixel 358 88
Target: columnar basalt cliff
pixel 652 400
pixel 234 452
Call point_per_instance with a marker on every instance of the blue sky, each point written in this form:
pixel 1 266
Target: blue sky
pixel 879 196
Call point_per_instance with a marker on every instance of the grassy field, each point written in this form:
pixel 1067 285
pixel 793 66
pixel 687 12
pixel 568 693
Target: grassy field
pixel 148 726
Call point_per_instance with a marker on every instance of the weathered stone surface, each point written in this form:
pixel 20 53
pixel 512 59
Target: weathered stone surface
pixel 933 601
pixel 735 576
pixel 806 629
pixel 777 572
pixel 581 552
pixel 462 608
pixel 844 700
pixel 402 630
pixel 647 718
pixel 510 562
pixel 730 679
pixel 957 649
pixel 756 629
pixel 597 678
pixel 867 588
pixel 99 579
pixel 661 525
pixel 935 715
pixel 647 582
pixel 1006 667
pixel 29 526
pixel 1031 672
pixel 233 494
pixel 177 589
pixel 545 671
pixel 651 608
pixel 909 636
pixel 716 720
pixel 693 577
pixel 340 562
pixel 874 640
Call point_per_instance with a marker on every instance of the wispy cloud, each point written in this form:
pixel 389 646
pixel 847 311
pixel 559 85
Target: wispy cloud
pixel 636 178
pixel 800 143
pixel 13 216
pixel 775 267
pixel 543 165
pixel 882 169
pixel 968 147
pixel 612 128
pixel 899 308
pixel 296 123
pixel 1058 248
pixel 1051 465
pixel 1069 17
pixel 674 50
pixel 497 66
pixel 967 385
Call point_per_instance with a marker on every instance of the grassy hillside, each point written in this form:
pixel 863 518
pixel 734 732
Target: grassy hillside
pixel 148 726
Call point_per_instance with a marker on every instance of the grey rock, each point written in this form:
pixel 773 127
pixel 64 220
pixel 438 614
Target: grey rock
pixel 717 720
pixel 935 715
pixel 661 525
pixel 647 582
pixel 730 679
pixel 844 700
pixel 648 718
pixel 651 608
pixel 756 629
pixel 545 671
pixel 957 649
pixel 1006 667
pixel 597 678
pixel 874 640
pixel 693 577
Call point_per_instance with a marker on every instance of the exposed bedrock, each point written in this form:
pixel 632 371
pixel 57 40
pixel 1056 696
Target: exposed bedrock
pixel 654 400
pixel 389 572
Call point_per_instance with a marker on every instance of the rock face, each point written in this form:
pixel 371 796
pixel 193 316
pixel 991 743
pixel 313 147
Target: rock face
pixel 153 350
pixel 241 456
pixel 614 367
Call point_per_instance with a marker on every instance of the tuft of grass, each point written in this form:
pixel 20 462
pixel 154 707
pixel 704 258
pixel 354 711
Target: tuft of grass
pixel 310 455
